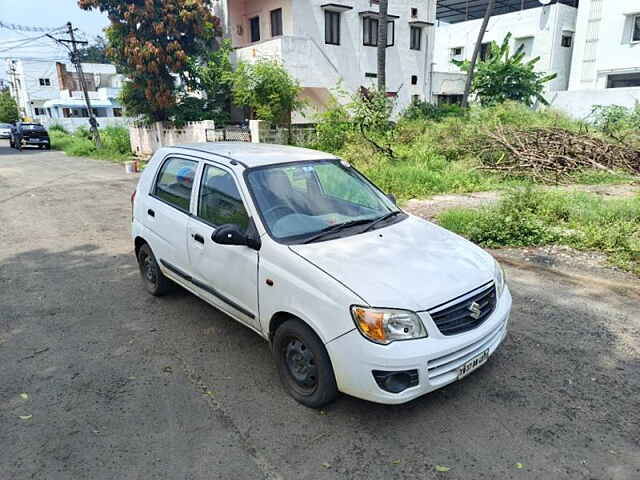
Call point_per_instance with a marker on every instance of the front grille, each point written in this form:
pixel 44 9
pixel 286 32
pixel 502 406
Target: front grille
pixel 458 318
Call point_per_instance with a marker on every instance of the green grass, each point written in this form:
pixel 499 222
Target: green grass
pixel 115 143
pixel 530 217
pixel 440 156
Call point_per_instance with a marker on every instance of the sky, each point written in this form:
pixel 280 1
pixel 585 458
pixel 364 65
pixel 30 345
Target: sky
pixel 46 14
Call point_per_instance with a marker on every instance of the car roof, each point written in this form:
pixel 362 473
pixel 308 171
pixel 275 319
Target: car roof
pixel 258 154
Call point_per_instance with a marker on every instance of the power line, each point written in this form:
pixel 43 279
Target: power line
pixel 28 28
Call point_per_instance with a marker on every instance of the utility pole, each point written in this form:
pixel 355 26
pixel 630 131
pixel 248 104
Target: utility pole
pixel 476 51
pixel 382 45
pixel 75 59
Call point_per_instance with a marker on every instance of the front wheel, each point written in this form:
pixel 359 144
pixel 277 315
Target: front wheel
pixel 304 365
pixel 152 277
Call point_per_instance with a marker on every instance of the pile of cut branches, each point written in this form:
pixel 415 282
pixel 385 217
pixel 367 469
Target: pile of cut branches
pixel 551 155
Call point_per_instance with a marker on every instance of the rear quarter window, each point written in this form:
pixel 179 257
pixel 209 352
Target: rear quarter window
pixel 174 183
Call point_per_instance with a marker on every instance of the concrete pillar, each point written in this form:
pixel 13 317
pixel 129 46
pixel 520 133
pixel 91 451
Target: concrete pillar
pixel 258 129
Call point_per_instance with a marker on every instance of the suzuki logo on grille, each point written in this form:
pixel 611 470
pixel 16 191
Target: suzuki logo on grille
pixel 474 308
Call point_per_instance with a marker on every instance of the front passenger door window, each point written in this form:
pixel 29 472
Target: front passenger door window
pixel 219 201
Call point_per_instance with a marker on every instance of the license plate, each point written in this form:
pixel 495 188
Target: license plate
pixel 473 364
pixel 36 140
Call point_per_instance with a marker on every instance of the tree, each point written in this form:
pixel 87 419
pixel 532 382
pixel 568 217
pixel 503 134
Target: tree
pixel 268 89
pixel 505 77
pixel 382 45
pixel 476 51
pixel 8 108
pixel 152 42
pixel 94 53
pixel 212 77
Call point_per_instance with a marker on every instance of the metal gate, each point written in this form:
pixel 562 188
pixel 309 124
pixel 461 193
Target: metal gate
pixel 229 134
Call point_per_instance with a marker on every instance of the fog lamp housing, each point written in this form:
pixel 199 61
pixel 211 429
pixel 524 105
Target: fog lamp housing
pixel 396 382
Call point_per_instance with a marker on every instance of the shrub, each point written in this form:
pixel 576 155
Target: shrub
pixel 531 217
pixel 422 110
pixel 333 128
pixel 115 143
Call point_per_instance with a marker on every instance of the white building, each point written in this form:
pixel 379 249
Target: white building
pixel 592 45
pixel 50 92
pixel 546 32
pixel 325 45
pixel 605 69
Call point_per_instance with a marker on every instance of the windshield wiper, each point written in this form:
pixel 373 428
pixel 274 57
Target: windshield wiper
pixel 336 228
pixel 381 219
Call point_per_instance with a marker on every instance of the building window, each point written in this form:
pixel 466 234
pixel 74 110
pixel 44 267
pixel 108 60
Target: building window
pixel 485 50
pixel 39 111
pixel 331 27
pixel 623 80
pixel 567 41
pixel 414 79
pixel 276 22
pixel 254 24
pixel 117 112
pixel 457 53
pixel 371 75
pixel 414 13
pixel 635 37
pixel 415 98
pixel 45 82
pixel 416 38
pixel 370 32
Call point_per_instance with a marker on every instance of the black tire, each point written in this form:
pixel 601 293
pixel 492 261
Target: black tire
pixel 11 144
pixel 154 280
pixel 47 147
pixel 303 364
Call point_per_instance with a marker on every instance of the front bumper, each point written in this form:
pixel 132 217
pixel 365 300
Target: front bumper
pixel 436 358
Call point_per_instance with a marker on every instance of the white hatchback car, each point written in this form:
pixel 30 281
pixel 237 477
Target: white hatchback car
pixel 353 294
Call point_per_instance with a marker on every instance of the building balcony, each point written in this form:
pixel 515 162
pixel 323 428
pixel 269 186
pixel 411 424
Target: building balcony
pixel 299 55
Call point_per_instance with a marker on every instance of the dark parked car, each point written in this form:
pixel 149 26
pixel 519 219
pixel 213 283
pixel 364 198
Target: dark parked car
pixel 29 134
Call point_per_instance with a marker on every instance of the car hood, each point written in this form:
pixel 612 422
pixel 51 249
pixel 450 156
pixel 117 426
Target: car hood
pixel 412 264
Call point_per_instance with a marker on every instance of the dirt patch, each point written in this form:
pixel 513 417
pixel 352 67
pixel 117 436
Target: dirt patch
pixel 432 207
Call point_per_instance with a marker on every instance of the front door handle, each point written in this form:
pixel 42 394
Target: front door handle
pixel 151 213
pixel 198 238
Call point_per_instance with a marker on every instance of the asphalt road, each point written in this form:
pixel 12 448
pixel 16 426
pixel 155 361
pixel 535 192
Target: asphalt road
pixel 122 385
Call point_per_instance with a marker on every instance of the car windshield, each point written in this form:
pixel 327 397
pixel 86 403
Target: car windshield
pixel 301 201
pixel 32 126
pixel 5 125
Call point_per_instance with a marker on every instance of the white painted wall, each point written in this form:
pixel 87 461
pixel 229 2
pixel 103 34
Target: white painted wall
pixel 320 66
pixel 579 103
pixel 603 42
pixel 540 29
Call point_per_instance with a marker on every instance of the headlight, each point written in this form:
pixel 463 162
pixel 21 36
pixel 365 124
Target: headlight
pixel 386 325
pixel 498 277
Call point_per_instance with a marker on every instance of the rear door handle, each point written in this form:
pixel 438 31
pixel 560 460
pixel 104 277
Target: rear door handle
pixel 151 213
pixel 198 238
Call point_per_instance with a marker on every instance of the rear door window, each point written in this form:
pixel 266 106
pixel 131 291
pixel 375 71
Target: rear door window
pixel 175 182
pixel 220 202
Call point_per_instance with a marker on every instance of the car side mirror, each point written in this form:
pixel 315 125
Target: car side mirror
pixel 231 234
pixel 393 198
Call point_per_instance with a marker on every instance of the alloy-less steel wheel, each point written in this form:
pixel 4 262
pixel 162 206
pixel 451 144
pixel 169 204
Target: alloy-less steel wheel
pixel 154 280
pixel 304 365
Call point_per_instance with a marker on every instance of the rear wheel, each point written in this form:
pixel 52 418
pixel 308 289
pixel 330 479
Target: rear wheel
pixel 304 365
pixel 154 280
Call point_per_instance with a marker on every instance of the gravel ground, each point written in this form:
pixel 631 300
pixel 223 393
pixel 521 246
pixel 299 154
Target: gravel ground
pixel 98 380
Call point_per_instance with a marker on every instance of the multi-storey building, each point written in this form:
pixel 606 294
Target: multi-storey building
pixel 327 45
pixel 592 45
pixel 50 92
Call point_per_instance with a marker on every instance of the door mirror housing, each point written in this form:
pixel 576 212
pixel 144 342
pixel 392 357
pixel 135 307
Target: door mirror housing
pixel 231 234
